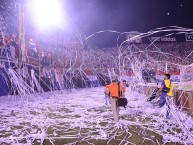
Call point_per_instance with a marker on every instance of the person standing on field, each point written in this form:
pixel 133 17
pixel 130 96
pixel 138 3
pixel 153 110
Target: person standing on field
pixel 166 93
pixel 107 95
pixel 115 93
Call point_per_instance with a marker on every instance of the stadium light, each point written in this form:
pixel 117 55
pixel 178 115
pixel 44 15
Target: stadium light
pixel 47 13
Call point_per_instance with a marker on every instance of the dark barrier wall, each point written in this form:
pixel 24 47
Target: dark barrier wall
pixel 182 98
pixel 4 88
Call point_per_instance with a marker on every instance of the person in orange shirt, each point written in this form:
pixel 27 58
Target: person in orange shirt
pixel 115 94
pixel 107 97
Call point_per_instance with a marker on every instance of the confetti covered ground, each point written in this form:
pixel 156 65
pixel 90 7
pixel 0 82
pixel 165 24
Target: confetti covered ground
pixel 81 117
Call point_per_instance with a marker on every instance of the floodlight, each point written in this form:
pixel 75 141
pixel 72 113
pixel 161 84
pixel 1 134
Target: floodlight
pixel 47 13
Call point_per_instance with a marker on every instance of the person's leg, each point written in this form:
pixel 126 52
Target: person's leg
pixel 106 99
pixel 118 110
pixel 109 99
pixel 114 108
pixel 162 100
pixel 168 107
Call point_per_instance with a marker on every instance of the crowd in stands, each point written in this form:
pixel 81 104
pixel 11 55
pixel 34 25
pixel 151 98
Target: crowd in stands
pixel 155 57
pixel 175 54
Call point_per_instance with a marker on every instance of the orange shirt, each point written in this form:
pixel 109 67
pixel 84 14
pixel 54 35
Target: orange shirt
pixel 113 88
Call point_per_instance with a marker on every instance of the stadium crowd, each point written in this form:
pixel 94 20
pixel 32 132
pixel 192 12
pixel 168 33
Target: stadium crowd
pixel 155 57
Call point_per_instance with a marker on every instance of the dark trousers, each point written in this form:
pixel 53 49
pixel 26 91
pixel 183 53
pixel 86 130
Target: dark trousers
pixel 164 99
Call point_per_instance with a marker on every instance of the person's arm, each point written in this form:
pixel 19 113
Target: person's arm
pixel 160 90
pixel 121 91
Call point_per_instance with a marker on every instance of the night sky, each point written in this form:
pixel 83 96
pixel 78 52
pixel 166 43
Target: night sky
pixel 119 15
pixel 128 15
